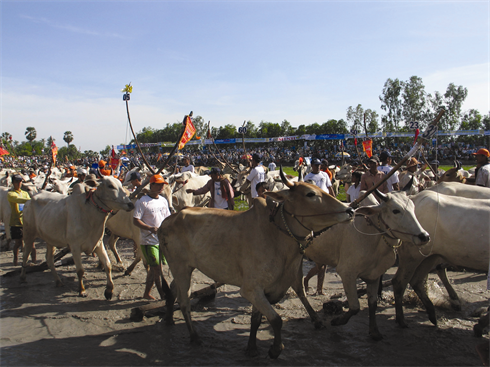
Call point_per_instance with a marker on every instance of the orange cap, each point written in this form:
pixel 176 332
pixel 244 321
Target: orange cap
pixel 482 151
pixel 157 179
pixel 32 175
pixel 102 163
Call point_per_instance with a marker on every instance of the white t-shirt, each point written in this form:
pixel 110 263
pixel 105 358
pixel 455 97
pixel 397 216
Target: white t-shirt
pixel 354 192
pixel 256 175
pixel 320 179
pixel 392 180
pixel 189 168
pixel 272 166
pixel 219 201
pixel 151 212
pixel 483 176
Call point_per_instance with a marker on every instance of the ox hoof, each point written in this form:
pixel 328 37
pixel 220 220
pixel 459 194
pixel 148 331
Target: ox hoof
pixel 82 294
pixel 478 331
pixel 275 352
pixel 402 324
pixel 169 321
pixel 252 352
pixel 127 273
pixel 108 295
pixel 376 335
pixel 456 306
pixel 319 325
pixel 433 319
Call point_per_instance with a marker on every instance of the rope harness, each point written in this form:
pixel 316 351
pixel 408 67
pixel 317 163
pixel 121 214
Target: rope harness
pixel 308 239
pixel 183 183
pixel 90 197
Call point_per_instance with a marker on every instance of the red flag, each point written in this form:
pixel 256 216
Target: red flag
pixel 355 142
pixel 367 146
pixel 189 132
pixel 113 152
pixel 114 162
pixel 416 136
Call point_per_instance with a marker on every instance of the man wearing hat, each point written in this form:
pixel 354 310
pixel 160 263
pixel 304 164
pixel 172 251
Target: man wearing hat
pixel 257 174
pixel 412 166
pixel 385 167
pixel 17 198
pixel 103 170
pixel 373 176
pixel 81 174
pixel 149 213
pixel 222 195
pixel 319 178
pixel 482 171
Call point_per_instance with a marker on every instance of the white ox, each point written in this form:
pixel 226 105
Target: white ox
pixel 365 248
pixel 247 250
pixel 462 190
pixel 460 235
pixel 76 221
pixel 184 181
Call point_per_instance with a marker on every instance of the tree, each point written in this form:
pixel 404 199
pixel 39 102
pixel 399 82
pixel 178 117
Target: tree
pixel 356 117
pixel 68 137
pixel 392 104
pixel 30 133
pixel 371 120
pixel 471 120
pixel 105 152
pixel 453 100
pixel 414 100
pixel 227 132
pixel 6 138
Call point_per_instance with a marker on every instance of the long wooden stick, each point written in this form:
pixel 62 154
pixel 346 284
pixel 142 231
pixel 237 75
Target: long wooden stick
pixel 136 140
pixel 412 151
pixel 147 180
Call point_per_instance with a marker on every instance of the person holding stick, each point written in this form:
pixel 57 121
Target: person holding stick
pixel 373 176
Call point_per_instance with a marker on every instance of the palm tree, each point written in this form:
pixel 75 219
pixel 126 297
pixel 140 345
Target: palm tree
pixel 68 137
pixel 30 133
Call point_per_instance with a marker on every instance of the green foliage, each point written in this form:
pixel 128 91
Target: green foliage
pixel 105 152
pixel 71 152
pixel 30 133
pixel 68 137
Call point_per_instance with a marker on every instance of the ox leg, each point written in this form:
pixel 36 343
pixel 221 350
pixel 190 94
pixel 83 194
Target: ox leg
pixel 50 250
pixel 256 320
pixel 260 302
pixel 349 283
pixel 77 258
pixel 372 292
pixel 104 259
pixel 137 258
pixel 455 301
pixel 182 279
pixel 300 291
pixel 25 255
pixel 112 245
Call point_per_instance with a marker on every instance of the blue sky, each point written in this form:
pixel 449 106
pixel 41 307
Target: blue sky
pixel 63 63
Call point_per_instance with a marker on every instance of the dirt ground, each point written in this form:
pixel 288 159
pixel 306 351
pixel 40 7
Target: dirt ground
pixel 44 325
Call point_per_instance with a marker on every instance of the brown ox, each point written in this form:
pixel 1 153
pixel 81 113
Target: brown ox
pixel 76 221
pixel 248 250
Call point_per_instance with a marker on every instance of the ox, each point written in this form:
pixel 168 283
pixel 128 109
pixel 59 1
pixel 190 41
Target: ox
pixel 76 221
pixel 460 236
pixel 458 189
pixel 184 181
pixel 263 257
pixel 365 248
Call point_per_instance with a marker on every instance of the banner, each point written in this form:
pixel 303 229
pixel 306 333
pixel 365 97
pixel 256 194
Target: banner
pixel 189 132
pixel 54 152
pixel 367 146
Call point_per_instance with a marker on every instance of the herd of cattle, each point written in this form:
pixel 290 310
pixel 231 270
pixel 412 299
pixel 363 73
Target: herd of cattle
pixel 261 250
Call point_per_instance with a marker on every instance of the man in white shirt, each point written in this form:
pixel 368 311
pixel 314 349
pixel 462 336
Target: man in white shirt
pixel 257 174
pixel 385 167
pixel 483 168
pixel 149 213
pixel 187 166
pixel 319 178
pixel 272 166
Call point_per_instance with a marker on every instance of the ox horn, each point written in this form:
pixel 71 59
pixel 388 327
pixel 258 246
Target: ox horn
pixel 300 175
pixel 408 185
pixel 284 180
pixel 380 195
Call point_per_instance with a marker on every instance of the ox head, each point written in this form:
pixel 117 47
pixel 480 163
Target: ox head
pixel 344 173
pixel 453 174
pixel 395 216
pixel 313 207
pixel 110 191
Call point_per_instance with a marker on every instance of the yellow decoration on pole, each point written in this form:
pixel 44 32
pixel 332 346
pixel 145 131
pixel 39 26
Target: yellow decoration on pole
pixel 128 88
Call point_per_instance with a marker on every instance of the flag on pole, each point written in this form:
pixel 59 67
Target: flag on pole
pixel 417 131
pixel 189 132
pixel 54 151
pixel 367 146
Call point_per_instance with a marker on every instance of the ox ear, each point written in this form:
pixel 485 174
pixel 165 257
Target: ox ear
pixel 408 185
pixel 368 210
pixel 278 196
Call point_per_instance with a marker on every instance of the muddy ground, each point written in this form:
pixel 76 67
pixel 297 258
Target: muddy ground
pixel 44 325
